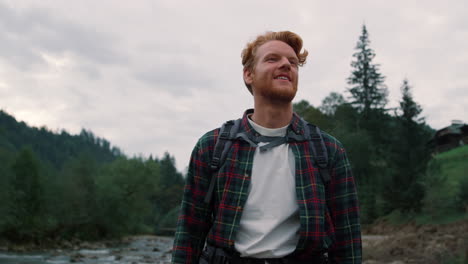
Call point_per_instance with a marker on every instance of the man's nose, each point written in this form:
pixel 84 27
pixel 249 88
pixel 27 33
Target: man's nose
pixel 285 63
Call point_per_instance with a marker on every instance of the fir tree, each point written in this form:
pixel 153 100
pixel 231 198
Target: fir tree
pixel 367 89
pixel 410 109
pixel 409 155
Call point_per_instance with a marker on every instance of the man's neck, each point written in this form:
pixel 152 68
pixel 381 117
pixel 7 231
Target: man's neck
pixel 272 115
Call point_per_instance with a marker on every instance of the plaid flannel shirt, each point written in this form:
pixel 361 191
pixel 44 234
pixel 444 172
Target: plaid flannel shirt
pixel 331 226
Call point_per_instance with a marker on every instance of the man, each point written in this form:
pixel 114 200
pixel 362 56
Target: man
pixel 270 204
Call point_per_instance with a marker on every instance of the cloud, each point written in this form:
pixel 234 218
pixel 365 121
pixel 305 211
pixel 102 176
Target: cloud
pixel 153 76
pixel 178 79
pixel 26 33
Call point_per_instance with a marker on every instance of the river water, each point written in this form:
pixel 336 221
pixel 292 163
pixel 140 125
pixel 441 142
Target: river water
pixel 143 249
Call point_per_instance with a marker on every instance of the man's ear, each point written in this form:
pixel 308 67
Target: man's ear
pixel 248 76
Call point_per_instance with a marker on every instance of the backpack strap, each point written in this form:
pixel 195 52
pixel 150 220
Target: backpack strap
pixel 227 133
pixel 319 150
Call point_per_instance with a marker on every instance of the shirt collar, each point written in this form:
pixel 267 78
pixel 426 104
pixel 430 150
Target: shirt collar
pixel 295 125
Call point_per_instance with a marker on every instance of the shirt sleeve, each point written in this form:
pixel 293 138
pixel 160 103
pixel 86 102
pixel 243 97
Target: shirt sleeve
pixel 195 215
pixel 344 211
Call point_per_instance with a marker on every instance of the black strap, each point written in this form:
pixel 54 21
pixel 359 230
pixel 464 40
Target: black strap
pixel 320 152
pixel 223 136
pixel 227 132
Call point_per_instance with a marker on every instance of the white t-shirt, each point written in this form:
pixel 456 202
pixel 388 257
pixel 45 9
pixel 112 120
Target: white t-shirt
pixel 270 220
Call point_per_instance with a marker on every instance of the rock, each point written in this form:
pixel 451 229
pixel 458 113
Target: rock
pixel 111 243
pixel 448 236
pixel 430 229
pixel 397 251
pixel 76 257
pixel 66 244
pixel 86 245
pixel 371 262
pixel 20 249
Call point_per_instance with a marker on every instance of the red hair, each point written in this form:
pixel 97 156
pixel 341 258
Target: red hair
pixel 288 37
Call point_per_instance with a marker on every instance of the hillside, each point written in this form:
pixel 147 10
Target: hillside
pixel 447 181
pixel 56 186
pixel 50 147
pixel 454 163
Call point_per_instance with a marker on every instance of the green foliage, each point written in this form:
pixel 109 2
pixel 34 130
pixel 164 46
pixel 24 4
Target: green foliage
pixel 409 108
pixel 365 119
pixel 455 155
pixel 6 190
pixel 24 205
pixel 409 155
pixel 78 191
pixel 169 173
pixel 389 153
pixel 172 183
pixel 331 103
pixel 445 181
pixel 53 148
pixel 312 115
pixel 64 186
pixel 167 224
pixel 451 259
pixel 124 189
pixel 462 195
pixel 368 90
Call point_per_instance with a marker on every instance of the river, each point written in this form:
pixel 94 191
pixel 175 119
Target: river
pixel 142 249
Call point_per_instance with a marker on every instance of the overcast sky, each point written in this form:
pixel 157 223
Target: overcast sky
pixel 153 76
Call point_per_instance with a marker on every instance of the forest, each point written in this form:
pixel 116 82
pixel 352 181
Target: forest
pixel 62 186
pixel 57 185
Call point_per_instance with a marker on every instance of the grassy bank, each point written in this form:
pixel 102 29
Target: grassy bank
pixel 446 187
pixel 438 232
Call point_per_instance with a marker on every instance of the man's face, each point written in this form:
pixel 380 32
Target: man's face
pixel 275 72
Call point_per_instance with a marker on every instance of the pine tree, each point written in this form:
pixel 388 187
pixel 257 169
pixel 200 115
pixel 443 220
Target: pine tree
pixel 368 90
pixel 369 97
pixel 410 109
pixel 409 156
pixel 27 194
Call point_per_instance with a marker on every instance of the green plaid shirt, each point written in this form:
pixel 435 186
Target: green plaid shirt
pixel 329 220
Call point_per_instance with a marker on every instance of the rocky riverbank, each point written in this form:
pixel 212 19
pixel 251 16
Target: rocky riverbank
pixel 131 250
pixel 382 243
pixel 418 244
